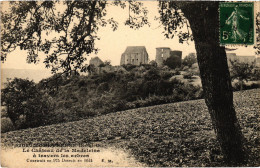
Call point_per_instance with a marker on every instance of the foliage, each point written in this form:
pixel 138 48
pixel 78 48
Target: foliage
pixel 187 75
pixel 195 69
pixel 6 125
pixel 173 19
pixel 256 74
pixel 29 24
pixel 153 63
pixel 70 98
pixel 168 74
pixel 189 60
pixel 241 71
pixel 91 69
pixel 129 67
pixel 172 62
pixel 22 99
pixel 170 135
pixel 249 85
pixel 107 62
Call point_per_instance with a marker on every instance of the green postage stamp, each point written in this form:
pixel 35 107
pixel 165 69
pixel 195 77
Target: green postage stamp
pixel 236 23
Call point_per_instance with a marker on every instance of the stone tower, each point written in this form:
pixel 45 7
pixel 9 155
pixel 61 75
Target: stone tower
pixel 162 53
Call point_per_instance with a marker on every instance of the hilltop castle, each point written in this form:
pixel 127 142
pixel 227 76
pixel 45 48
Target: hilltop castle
pixel 134 55
pixel 96 61
pixel 137 55
pixel 163 53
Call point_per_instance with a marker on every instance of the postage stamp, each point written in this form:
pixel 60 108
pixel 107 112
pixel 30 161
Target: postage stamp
pixel 236 23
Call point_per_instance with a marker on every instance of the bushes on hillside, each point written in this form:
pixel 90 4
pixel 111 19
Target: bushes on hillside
pixel 250 85
pixel 190 92
pixel 25 104
pixel 68 98
pixel 62 99
pixel 189 60
pixel 187 75
pixel 242 71
pixel 173 62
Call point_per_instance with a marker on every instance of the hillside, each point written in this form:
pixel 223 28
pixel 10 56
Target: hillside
pixel 176 134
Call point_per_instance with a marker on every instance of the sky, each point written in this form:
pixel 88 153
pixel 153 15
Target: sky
pixel 113 43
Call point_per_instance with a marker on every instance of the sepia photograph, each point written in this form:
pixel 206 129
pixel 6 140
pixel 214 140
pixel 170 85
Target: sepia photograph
pixel 115 83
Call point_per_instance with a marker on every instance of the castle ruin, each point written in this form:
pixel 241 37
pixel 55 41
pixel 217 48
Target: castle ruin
pixel 134 55
pixel 162 53
pixel 96 61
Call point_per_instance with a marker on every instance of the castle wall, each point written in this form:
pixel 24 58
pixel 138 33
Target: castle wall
pixel 162 54
pixel 95 61
pixel 122 61
pixel 134 57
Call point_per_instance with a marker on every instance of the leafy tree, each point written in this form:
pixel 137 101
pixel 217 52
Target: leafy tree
pixel 107 62
pixel 75 29
pixel 27 22
pixel 241 71
pixel 22 98
pixel 152 74
pixel 172 62
pixel 129 67
pixel 91 69
pixel 189 60
pixel 202 18
pixel 153 63
pixel 52 83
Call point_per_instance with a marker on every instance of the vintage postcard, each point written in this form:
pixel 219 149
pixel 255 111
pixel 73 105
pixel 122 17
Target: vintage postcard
pixel 130 84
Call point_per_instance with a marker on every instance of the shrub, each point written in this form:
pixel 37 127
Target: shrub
pixel 173 62
pixel 256 74
pixel 102 87
pixel 152 74
pixel 185 68
pixel 252 85
pixel 129 67
pixel 6 125
pixel 187 75
pixel 241 71
pixel 80 97
pixel 177 73
pixel 189 60
pixel 167 74
pixel 22 98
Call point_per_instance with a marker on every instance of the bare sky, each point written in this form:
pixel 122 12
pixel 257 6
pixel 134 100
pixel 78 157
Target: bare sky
pixel 112 44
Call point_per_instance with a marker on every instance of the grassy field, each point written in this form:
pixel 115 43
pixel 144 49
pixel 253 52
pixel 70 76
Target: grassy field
pixel 177 134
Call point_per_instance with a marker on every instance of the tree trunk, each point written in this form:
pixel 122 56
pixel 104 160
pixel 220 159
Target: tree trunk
pixel 11 116
pixel 215 78
pixel 241 85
